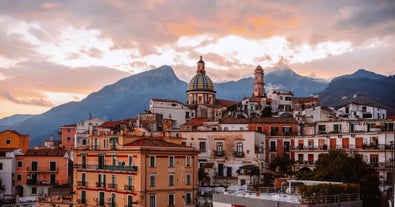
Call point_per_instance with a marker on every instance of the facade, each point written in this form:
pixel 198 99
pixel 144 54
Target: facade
pixel 7 173
pixel 281 101
pixel 13 140
pixel 171 109
pixel 223 153
pixel 123 169
pixel 40 169
pixel 84 129
pixel 67 134
pixel 355 110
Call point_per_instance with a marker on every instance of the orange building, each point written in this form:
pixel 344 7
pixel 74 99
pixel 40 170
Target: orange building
pixel 39 169
pixel 121 169
pixel 280 133
pixel 13 140
pixel 67 134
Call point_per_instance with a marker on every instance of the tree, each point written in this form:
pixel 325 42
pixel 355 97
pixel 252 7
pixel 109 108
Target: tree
pixel 203 176
pixel 267 111
pixel 337 165
pixel 282 163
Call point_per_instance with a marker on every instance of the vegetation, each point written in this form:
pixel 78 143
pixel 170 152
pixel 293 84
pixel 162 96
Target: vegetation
pixel 337 165
pixel 322 192
pixel 267 111
pixel 282 164
pixel 203 176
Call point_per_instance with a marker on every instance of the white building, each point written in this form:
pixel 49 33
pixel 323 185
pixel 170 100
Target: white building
pixel 171 109
pixel 355 110
pixel 225 152
pixel 84 129
pixel 281 101
pixel 7 171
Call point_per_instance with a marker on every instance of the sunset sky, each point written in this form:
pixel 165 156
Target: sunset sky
pixel 52 52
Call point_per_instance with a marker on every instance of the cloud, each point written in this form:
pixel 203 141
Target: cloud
pixel 26 100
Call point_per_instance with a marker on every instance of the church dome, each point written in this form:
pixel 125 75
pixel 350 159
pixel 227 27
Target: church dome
pixel 201 82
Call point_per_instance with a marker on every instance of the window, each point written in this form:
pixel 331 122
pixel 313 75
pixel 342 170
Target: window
pixel 219 148
pixel 101 180
pixel 130 183
pixel 34 190
pixel 1 166
pixel 171 201
pixel 34 165
pixel 202 147
pixel 171 179
pixel 18 177
pixel 273 146
pixel 152 180
pixel 188 161
pixel 113 160
pixel 113 181
pixel 101 161
pixel 83 179
pixel 286 146
pixel 321 128
pixel 152 201
pixel 188 179
pixel 52 166
pixel 130 160
pixel 363 108
pixel 105 143
pixel 152 161
pixel 171 161
pixel 239 149
pixel 8 141
pixel 188 198
pixel 130 200
pixel 52 178
pixel 83 160
pixel 374 159
pixel 337 127
pixel 20 164
pixel 68 139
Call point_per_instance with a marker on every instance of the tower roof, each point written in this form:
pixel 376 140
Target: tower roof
pixel 201 82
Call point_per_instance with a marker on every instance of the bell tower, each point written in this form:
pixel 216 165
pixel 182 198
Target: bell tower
pixel 259 84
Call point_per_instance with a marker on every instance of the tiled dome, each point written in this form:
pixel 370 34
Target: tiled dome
pixel 201 82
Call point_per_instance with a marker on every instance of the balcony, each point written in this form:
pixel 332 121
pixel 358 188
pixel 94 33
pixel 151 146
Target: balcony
pixel 81 201
pixel 100 184
pixel 40 182
pixel 106 167
pixel 112 186
pixel 128 187
pixel 82 183
pixel 46 170
pixel 239 154
pixel 219 153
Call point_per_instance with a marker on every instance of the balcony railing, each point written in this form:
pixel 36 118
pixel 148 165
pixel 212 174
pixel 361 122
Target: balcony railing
pixel 82 183
pixel 219 153
pixel 128 187
pixel 106 167
pixel 40 182
pixel 100 184
pixel 42 170
pixel 112 185
pixel 81 201
pixel 239 154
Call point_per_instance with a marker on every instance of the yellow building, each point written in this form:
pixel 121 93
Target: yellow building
pixel 12 139
pixel 121 169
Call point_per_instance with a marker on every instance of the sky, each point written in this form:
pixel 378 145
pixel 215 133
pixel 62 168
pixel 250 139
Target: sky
pixel 53 52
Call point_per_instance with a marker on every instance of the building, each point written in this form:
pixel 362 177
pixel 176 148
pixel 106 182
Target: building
pixel 171 109
pixel 122 168
pixel 67 135
pixel 13 140
pixel 40 169
pixel 355 110
pixel 84 129
pixel 7 173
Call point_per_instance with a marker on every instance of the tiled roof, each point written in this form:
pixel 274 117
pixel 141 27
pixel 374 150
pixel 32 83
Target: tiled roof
pixel 45 152
pixel 306 100
pixel 195 122
pixel 230 120
pixel 70 125
pixel 13 131
pixel 225 102
pixel 2 150
pixel 258 120
pixel 255 99
pixel 154 142
pixel 166 100
pixel 109 124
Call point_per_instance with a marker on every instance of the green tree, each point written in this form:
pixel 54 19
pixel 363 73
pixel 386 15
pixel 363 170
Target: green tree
pixel 203 176
pixel 267 111
pixel 337 165
pixel 282 163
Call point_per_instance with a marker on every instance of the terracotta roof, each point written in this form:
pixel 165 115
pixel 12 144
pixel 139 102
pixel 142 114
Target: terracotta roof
pixel 45 152
pixel 70 125
pixel 2 150
pixel 305 100
pixel 154 142
pixel 225 102
pixel 391 117
pixel 13 131
pixel 231 120
pixel 167 100
pixel 270 120
pixel 195 122
pixel 109 124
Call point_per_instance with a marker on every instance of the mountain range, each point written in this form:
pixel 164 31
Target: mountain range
pixel 130 96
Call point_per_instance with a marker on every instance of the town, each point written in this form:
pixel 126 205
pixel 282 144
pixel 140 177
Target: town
pixel 203 151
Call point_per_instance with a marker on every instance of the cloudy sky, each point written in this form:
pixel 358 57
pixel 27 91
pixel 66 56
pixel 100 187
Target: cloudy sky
pixel 52 52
